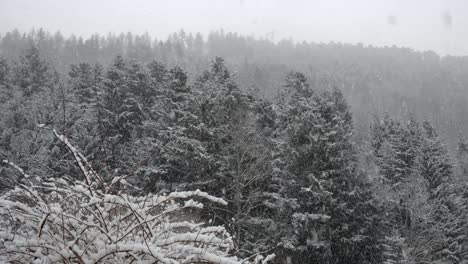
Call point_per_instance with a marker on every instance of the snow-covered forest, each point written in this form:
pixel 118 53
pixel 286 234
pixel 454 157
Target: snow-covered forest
pixel 230 149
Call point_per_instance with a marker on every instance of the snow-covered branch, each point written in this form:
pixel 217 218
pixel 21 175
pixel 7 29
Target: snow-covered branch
pixel 59 221
pixel 67 224
pixel 18 168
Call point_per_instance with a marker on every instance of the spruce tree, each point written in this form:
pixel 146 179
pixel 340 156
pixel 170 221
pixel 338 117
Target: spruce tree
pixel 234 141
pixel 170 136
pixel 417 169
pixel 32 74
pixel 334 219
pixel 84 82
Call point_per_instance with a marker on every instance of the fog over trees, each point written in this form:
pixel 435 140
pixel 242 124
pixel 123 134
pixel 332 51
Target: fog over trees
pixel 223 148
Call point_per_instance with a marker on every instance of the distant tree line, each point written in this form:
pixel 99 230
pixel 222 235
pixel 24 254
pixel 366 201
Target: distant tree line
pixel 399 81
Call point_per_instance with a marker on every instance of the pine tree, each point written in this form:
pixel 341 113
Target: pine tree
pixel 117 106
pixel 4 71
pixel 32 73
pixel 234 141
pixel 462 158
pixel 418 171
pixel 171 134
pixel 396 149
pixel 6 91
pixel 118 117
pixel 333 217
pixel 435 166
pixel 434 163
pixel 84 81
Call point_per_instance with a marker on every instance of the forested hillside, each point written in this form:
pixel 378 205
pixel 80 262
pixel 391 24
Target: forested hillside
pixel 374 80
pixel 317 153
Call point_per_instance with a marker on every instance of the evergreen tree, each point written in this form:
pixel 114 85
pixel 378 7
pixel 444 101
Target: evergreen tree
pixel 416 165
pixel 4 71
pixel 170 136
pixel 5 85
pixel 239 172
pixel 434 163
pixel 84 81
pixel 333 217
pixel 462 158
pixel 32 74
pixel 118 116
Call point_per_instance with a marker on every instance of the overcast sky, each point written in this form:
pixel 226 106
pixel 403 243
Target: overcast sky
pixel 439 25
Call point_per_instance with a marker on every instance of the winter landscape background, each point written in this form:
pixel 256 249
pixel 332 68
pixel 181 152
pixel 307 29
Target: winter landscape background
pixel 226 147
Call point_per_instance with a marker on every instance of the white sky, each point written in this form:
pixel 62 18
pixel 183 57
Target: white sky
pixel 439 25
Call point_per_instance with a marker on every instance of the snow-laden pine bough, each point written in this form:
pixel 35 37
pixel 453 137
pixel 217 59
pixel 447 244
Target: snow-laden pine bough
pixel 60 221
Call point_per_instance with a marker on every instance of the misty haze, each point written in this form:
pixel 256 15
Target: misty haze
pixel 234 132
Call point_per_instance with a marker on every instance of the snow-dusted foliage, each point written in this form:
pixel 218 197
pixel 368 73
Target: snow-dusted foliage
pixel 60 221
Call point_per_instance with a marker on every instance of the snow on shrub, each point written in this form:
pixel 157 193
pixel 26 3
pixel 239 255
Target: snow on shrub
pixel 60 221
